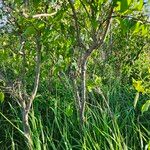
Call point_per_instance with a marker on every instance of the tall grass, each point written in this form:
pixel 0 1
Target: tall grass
pixel 53 129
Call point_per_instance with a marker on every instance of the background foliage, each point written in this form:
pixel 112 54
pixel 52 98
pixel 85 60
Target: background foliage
pixel 117 77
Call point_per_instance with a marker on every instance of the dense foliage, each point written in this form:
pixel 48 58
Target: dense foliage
pixel 74 74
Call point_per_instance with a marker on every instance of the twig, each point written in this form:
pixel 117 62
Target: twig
pixel 44 15
pixel 133 18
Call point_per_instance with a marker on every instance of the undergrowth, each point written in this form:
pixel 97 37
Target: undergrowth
pixel 55 126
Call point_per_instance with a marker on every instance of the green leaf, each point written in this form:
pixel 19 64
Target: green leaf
pixel 144 30
pixel 145 106
pixel 41 26
pixel 90 85
pixel 125 24
pixel 139 5
pixel 2 96
pixel 115 3
pixel 100 2
pixel 94 23
pixel 124 5
pixel 89 88
pixel 98 80
pixel 36 2
pixel 69 110
pixel 137 27
pixel 138 85
pixel 29 31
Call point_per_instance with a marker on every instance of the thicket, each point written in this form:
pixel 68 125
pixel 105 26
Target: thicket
pixel 74 75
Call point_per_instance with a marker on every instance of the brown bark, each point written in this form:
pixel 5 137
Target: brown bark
pixel 29 101
pixel 81 99
pixel 83 90
pixel 87 54
pixel 26 128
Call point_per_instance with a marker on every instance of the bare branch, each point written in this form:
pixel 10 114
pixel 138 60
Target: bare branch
pixel 95 45
pixel 76 24
pixel 133 18
pixel 44 15
pixel 10 88
pixel 98 44
pixel 37 74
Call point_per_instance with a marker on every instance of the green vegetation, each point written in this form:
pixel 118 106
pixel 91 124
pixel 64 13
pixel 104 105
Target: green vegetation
pixel 74 75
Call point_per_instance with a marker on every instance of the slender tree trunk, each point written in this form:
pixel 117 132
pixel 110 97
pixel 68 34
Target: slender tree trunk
pixel 26 127
pixel 97 42
pixel 77 96
pixel 83 91
pixel 27 102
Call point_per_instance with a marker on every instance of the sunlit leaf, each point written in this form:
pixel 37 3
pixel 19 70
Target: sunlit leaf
pixel 77 4
pixel 89 88
pixel 138 85
pixel 146 106
pixel 2 96
pixel 98 80
pixel 139 5
pixel 41 25
pixel 144 30
pixel 90 85
pixel 69 110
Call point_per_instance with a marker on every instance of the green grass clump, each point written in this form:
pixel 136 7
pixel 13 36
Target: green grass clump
pixel 111 125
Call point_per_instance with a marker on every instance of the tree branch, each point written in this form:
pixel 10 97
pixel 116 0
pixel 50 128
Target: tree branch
pixel 44 15
pixel 133 18
pixel 37 74
pixel 84 60
pixel 95 44
pixel 76 25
